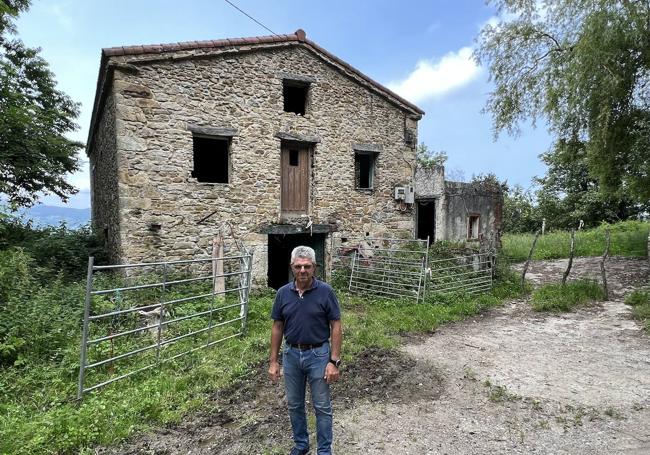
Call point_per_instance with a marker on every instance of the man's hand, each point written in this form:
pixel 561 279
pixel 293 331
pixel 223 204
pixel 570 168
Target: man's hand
pixel 331 373
pixel 274 371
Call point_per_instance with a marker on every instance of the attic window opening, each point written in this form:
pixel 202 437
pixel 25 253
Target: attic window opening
pixel 211 159
pixel 295 96
pixel 473 226
pixel 364 170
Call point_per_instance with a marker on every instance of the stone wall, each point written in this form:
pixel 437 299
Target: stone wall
pixel 430 185
pixel 103 182
pixel 161 205
pixel 465 199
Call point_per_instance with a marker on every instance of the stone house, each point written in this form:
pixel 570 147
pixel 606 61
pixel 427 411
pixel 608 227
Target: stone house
pixel 273 136
pixel 455 211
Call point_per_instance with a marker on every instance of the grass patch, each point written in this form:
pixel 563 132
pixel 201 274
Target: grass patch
pixel 557 298
pixel 639 300
pixel 38 413
pixel 628 238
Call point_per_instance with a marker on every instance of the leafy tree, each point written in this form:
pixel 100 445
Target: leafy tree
pixel 520 213
pixel 568 193
pixel 35 155
pixel 428 158
pixel 584 67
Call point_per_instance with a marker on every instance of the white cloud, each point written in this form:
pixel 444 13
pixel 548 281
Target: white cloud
pixel 435 78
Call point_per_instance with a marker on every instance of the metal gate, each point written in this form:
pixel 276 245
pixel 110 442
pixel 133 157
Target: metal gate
pixel 463 274
pixel 138 316
pixel 389 267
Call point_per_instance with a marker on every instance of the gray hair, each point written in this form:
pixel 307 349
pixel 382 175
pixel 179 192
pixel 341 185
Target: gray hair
pixel 303 252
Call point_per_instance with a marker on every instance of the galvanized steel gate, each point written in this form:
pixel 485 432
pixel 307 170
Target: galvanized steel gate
pixel 469 274
pixel 390 267
pixel 150 313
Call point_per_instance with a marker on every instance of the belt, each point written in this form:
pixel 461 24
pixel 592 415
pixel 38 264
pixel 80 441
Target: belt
pixel 304 347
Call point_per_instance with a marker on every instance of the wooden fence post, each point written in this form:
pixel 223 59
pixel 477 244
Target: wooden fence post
pixel 568 269
pixel 218 280
pixel 530 255
pixel 602 264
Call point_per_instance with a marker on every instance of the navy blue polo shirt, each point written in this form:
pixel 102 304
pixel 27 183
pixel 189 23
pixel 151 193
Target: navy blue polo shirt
pixel 307 318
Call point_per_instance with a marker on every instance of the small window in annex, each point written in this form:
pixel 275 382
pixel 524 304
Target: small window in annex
pixel 473 225
pixel 211 159
pixel 295 96
pixel 364 170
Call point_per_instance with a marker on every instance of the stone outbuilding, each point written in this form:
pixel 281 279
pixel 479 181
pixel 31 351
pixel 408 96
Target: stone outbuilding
pixel 273 136
pixel 455 211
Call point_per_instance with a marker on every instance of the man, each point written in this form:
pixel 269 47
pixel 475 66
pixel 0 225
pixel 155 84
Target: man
pixel 307 312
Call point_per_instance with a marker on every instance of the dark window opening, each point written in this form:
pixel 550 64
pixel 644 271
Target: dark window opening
pixel 364 170
pixel 211 159
pixel 295 96
pixel 473 226
pixel 293 157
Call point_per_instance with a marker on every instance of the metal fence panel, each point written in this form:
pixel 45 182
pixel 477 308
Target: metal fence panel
pixel 468 274
pixel 138 316
pixel 384 266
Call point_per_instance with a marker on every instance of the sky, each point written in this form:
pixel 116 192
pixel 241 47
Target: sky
pixel 419 49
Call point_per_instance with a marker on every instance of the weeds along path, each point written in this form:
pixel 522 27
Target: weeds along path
pixel 508 381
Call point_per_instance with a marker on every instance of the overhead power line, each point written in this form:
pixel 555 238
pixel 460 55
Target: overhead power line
pixel 249 16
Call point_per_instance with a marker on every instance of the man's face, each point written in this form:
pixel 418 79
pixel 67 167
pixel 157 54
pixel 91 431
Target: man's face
pixel 303 270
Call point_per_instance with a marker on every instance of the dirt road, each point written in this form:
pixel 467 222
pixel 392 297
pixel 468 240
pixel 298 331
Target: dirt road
pixel 508 381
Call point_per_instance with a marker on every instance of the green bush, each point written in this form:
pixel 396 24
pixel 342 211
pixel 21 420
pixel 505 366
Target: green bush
pixel 56 250
pixel 36 321
pixel 558 298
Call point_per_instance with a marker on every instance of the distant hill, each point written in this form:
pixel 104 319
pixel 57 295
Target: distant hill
pixel 49 215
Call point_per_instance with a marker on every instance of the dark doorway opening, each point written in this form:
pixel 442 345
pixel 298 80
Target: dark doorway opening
pixel 426 214
pixel 280 247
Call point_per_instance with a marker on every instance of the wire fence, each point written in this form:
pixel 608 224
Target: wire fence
pixel 138 316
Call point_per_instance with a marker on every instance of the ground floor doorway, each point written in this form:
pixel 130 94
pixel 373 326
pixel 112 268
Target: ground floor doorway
pixel 426 219
pixel 279 253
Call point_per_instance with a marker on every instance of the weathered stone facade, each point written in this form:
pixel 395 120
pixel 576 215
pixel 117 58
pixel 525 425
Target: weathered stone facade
pixel 151 99
pixel 456 203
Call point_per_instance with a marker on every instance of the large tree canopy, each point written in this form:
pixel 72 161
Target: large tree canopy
pixel 568 194
pixel 584 67
pixel 35 155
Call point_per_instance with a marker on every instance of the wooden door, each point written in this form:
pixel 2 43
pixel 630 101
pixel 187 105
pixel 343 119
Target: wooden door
pixel 295 179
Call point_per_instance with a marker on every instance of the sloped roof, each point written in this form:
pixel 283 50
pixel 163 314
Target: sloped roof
pixel 194 48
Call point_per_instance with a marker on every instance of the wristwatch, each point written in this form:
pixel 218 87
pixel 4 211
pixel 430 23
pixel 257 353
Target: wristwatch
pixel 337 363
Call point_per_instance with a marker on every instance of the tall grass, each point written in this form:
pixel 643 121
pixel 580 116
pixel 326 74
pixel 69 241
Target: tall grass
pixel 628 238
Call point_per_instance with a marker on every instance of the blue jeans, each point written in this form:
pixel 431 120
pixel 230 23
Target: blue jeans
pixel 300 367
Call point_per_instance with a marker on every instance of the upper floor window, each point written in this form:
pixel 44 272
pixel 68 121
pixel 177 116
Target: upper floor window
pixel 295 96
pixel 364 170
pixel 211 159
